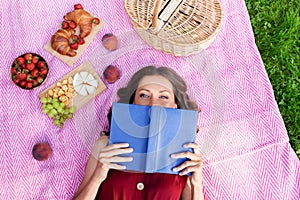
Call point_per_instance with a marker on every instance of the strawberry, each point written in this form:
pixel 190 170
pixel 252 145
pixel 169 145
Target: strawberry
pixel 74 46
pixel 23 66
pixel 13 70
pixel 18 69
pixel 41 64
pixel 22 76
pixel 29 85
pixel 96 21
pixel 29 77
pixel 35 73
pixel 35 59
pixel 43 71
pixel 75 38
pixel 35 82
pixel 64 25
pixel 15 79
pixel 40 79
pixel 23 84
pixel 81 41
pixel 72 24
pixel 20 60
pixel 78 6
pixel 30 66
pixel 26 71
pixel 28 56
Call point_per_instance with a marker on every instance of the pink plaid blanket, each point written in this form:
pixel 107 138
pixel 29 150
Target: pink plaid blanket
pixel 245 146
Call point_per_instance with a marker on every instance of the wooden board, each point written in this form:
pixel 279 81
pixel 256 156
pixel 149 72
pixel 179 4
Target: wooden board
pixel 72 60
pixel 78 100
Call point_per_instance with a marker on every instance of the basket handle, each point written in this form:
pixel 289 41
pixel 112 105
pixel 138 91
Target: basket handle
pixel 155 13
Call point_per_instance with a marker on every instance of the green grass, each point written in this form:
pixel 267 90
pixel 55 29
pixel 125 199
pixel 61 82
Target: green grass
pixel 276 26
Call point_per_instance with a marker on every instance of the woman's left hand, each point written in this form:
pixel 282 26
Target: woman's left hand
pixel 193 165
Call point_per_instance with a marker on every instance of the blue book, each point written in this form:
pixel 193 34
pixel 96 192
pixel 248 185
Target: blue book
pixel 154 133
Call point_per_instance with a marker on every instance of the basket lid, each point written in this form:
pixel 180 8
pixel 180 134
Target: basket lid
pixel 180 21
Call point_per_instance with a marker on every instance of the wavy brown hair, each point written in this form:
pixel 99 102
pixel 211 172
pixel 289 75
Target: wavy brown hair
pixel 182 100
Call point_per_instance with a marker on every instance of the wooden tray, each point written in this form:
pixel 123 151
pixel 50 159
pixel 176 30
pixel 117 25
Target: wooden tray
pixel 78 100
pixel 72 60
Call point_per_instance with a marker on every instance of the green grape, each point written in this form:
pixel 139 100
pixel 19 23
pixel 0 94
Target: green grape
pixel 55 104
pixel 43 100
pixel 49 106
pixel 53 111
pixel 56 122
pixel 51 115
pixel 56 110
pixel 60 110
pixel 62 119
pixel 45 110
pixel 55 100
pixel 66 111
pixel 72 109
pixel 49 100
pixel 62 105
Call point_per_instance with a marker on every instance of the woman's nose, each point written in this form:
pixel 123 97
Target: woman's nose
pixel 153 102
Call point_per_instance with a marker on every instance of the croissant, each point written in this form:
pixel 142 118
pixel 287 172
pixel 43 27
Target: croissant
pixel 60 42
pixel 83 19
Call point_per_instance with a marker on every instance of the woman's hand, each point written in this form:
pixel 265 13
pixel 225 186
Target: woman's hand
pixel 101 160
pixel 109 156
pixel 193 165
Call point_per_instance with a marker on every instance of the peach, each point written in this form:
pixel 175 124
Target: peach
pixel 41 151
pixel 111 74
pixel 110 41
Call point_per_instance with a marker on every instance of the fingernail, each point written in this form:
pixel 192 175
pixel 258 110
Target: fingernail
pixel 174 169
pixel 130 158
pixel 124 145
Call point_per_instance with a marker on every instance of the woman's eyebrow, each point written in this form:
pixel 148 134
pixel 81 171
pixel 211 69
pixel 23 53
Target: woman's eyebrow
pixel 143 89
pixel 164 91
pixel 161 91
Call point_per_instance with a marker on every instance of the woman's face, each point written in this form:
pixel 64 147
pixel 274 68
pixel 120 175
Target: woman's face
pixel 155 90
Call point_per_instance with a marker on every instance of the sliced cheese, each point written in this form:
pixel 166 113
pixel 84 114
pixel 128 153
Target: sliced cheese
pixel 90 89
pixel 77 88
pixel 84 75
pixel 89 78
pixel 85 83
pixel 83 90
pixel 77 80
pixel 93 83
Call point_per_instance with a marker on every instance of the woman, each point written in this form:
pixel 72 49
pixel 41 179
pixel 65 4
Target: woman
pixel 104 179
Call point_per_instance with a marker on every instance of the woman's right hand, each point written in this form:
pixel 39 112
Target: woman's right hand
pixel 104 156
pixel 110 155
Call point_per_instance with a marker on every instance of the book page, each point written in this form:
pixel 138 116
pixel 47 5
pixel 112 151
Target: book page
pixel 154 133
pixel 169 130
pixel 130 124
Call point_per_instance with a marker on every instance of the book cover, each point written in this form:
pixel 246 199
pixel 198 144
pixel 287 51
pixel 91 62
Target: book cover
pixel 154 133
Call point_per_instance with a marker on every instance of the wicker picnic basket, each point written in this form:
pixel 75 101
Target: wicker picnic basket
pixel 179 27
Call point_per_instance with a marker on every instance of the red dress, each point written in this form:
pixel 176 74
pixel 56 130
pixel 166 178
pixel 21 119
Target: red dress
pixel 141 186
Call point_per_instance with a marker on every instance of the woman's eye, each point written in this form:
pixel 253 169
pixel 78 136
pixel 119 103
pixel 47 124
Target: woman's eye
pixel 164 97
pixel 144 96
